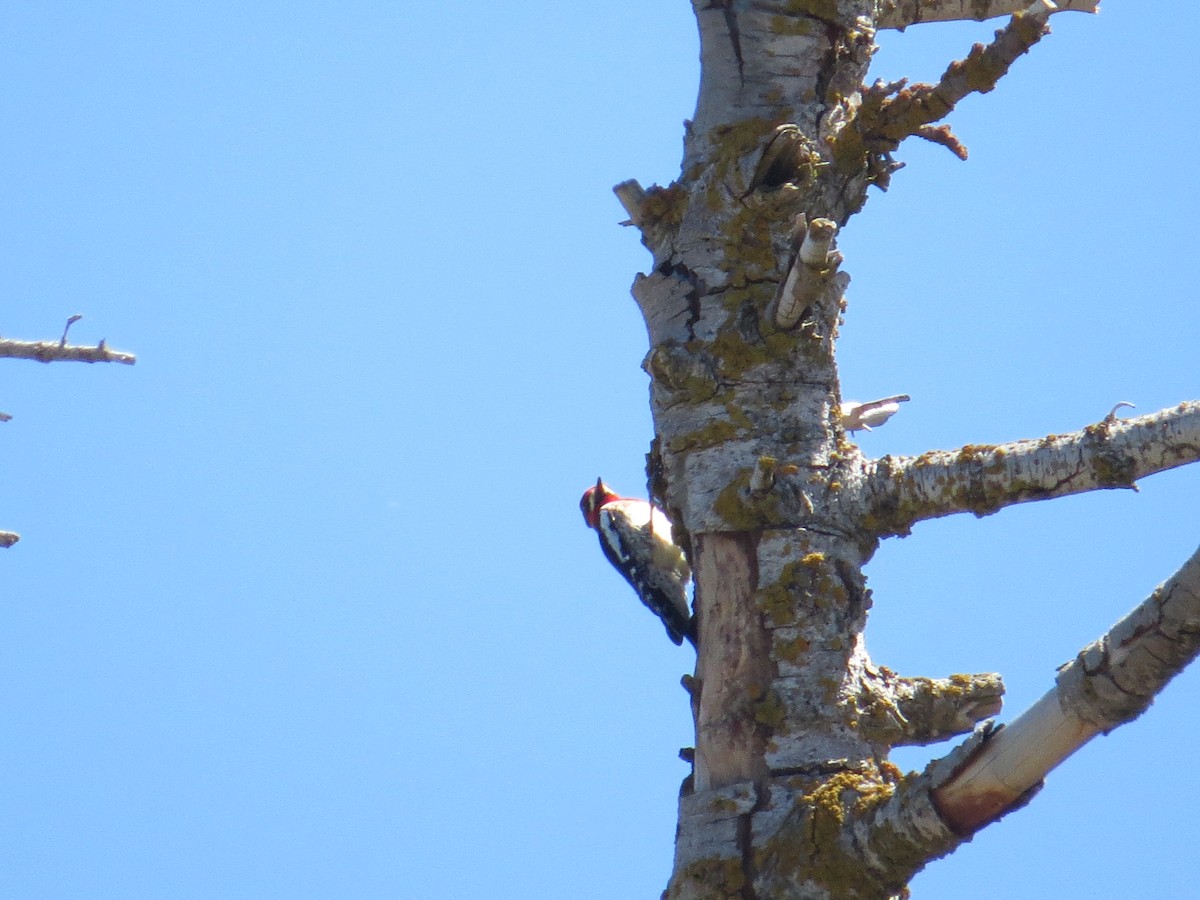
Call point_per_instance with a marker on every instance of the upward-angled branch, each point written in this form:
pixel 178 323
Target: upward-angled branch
pixel 902 13
pixel 1111 682
pixel 893 111
pixel 985 478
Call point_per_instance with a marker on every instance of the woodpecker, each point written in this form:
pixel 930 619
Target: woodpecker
pixel 635 535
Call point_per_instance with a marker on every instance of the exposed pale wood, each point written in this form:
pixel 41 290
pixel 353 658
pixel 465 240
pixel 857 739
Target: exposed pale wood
pixel 1012 762
pixel 631 195
pixel 811 276
pixel 733 665
pixel 1110 683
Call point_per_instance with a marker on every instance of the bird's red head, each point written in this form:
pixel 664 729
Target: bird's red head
pixel 593 499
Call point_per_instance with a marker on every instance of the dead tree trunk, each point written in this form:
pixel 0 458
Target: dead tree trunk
pixel 792 794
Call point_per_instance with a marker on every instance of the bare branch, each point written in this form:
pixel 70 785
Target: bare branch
pixel 54 351
pixel 631 194
pixel 813 272
pixel 903 711
pixel 941 134
pixel 899 14
pixel 893 111
pixel 982 479
pixel 8 538
pixel 1110 683
pixel 655 211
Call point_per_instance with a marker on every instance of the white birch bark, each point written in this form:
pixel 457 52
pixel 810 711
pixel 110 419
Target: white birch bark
pixel 791 793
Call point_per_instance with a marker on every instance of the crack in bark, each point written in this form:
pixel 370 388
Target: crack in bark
pixel 745 839
pixel 696 291
pixel 825 74
pixel 735 37
pixel 856 591
pixel 819 770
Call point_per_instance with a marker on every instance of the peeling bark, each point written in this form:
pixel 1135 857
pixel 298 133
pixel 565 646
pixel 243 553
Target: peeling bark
pixel 733 675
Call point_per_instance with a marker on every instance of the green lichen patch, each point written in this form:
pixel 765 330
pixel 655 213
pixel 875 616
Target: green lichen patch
pixel 722 805
pixel 776 602
pixel 794 25
pixel 720 879
pixel 731 144
pixel 770 711
pixel 664 206
pixel 685 371
pixel 737 352
pixel 1109 467
pixel 791 650
pixel 1114 470
pixel 805 584
pixel 821 844
pixel 879 716
pixel 821 9
pixel 974 452
pixel 714 433
pixel 750 253
pixel 743 511
pixel 736 140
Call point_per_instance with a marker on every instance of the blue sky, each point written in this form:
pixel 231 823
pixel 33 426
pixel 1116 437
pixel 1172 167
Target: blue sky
pixel 304 606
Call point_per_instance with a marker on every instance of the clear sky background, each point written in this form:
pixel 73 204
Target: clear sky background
pixel 304 606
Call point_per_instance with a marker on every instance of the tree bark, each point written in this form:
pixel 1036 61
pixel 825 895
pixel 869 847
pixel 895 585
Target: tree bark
pixel 792 794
